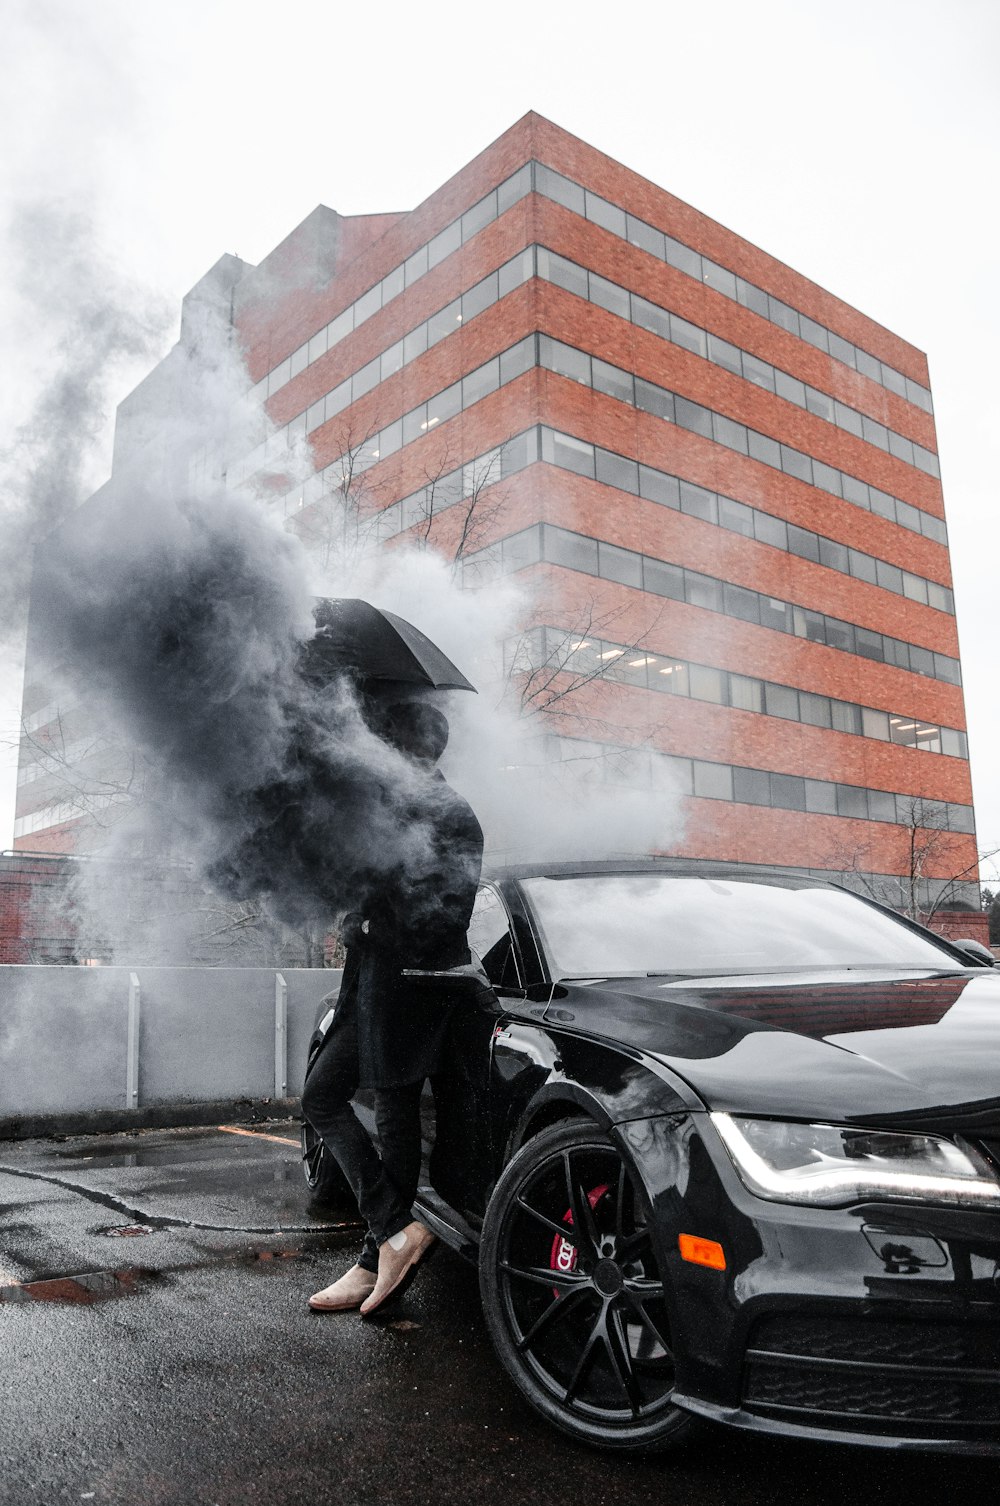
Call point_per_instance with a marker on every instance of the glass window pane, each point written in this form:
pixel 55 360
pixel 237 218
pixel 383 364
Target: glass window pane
pixel 689 336
pixel 719 278
pixel 765 449
pixel 650 316
pixel 621 565
pixel 707 684
pixel 646 237
pixel 445 405
pixel 367 305
pixel 519 359
pixel 391 438
pixel 852 801
pixel 391 360
pixel 752 297
pixel 721 353
pixel 847 418
pixel 682 257
pixel 279 376
pixel 655 400
pixel 921 660
pixel 814 710
pixel 554 186
pixel 317 345
pixel 788 792
pixel 783 701
pixel 414 344
pixel 846 717
pixel 736 516
pixel 842 350
pixel 894 380
pixel 758 371
pixel 834 555
pixel 415 266
pixel 862 565
pixel 338 399
pixel 780 313
pixel 365 379
pixel 519 452
pixel 569 453
pixel 813 332
pixel 790 388
pixel 480 297
pixel 479 383
pixel 840 634
pixel 819 404
pixel 479 215
pixel 315 415
pixel 655 486
pixel 392 284
pixel 562 272
pixel 951 742
pixel 571 549
pixel 514 188
pixel 730 433
pixel 613 381
pixel 855 491
pixel 914 589
pixel 565 360
pixel 663 579
pixel 741 603
pixel 890 577
pixel 516 271
pixel 522 549
pixel 827 478
pixel 821 797
pixel 444 322
pixel 444 244
pixel 752 786
pixel 697 502
pixel 803 543
pixel 713 781
pixel 603 213
pixel 299 359
pixel 794 463
pixel 776 614
pixel 672 678
pixel 608 295
pixel 615 470
pixel 702 591
pixel 809 625
pixel 769 530
pixel 746 694
pixel 875 723
pixel 692 416
pixel 414 423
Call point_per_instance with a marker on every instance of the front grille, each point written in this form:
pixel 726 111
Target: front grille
pixel 893 1375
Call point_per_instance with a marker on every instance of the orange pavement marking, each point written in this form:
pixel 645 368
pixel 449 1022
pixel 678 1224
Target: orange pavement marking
pixel 230 1129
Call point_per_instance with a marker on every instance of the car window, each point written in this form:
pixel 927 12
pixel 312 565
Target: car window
pixel 491 940
pixel 606 924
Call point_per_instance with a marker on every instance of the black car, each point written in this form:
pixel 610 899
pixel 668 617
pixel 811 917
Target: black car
pixel 725 1144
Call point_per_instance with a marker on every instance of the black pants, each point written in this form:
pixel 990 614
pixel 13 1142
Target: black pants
pixel 385 1186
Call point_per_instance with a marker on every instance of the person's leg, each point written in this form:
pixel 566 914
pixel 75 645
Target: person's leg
pixel 397 1120
pixel 326 1104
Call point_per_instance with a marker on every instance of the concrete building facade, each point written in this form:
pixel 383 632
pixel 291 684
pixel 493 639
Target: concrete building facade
pixel 721 480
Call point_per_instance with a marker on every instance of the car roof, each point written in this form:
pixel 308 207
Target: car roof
pixel 688 867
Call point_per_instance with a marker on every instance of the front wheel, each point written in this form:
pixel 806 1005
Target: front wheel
pixel 573 1295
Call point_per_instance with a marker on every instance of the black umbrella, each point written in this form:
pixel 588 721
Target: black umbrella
pixel 376 647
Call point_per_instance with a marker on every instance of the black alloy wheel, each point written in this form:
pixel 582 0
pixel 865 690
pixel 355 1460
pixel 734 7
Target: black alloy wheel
pixel 573 1295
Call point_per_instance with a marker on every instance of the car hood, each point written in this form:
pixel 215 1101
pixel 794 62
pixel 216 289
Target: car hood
pixel 920 1051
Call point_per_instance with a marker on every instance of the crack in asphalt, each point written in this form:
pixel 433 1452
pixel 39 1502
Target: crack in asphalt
pixel 165 1220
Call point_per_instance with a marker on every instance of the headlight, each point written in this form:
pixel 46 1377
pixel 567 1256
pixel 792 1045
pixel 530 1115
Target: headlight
pixel 834 1164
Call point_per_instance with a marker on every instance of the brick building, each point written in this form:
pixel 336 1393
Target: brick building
pixel 726 474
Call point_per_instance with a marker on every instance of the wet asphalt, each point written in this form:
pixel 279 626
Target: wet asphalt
pixel 156 1347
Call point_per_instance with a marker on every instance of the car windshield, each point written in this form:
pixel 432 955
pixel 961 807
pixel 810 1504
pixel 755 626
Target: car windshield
pixel 605 925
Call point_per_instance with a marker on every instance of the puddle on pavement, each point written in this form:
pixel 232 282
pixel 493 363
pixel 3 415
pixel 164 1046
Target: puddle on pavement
pixel 79 1291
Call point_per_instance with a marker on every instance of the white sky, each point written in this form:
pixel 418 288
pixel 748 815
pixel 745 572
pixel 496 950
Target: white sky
pixel 855 141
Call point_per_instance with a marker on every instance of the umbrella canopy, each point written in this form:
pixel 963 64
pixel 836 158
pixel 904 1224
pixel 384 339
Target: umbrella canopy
pixel 376 646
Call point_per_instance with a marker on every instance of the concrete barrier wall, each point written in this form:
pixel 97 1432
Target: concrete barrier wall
pixel 80 1040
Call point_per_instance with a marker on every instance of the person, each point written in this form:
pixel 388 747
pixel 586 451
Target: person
pixel 390 1028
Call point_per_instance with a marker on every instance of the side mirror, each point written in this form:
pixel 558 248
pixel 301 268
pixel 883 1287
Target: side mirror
pixel 975 951
pixel 466 985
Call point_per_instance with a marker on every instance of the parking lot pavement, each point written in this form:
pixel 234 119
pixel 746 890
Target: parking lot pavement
pixel 156 1350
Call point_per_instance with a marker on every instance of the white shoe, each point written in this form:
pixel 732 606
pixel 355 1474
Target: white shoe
pixel 345 1295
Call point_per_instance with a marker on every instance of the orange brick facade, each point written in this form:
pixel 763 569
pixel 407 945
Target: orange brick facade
pixel 310 280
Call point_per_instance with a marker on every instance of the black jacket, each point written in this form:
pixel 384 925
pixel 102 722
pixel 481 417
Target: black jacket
pixel 419 918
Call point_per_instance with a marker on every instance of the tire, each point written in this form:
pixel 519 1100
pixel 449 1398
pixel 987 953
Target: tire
pixel 580 1320
pixel 324 1178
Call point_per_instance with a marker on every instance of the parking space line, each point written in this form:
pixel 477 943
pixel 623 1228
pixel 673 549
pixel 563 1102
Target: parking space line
pixel 231 1129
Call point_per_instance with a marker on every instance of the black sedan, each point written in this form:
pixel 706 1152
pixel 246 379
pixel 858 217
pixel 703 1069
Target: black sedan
pixel 724 1144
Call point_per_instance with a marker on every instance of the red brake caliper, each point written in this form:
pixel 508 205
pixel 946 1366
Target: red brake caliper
pixel 563 1256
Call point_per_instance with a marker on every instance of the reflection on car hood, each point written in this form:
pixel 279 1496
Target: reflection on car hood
pixel 920 1050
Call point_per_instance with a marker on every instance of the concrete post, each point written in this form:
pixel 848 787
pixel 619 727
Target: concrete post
pixel 280 1037
pixel 132 1061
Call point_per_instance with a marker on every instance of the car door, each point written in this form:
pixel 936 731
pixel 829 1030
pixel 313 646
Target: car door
pixel 462 1165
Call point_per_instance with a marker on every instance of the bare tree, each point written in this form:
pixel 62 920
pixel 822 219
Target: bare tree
pixel 338 519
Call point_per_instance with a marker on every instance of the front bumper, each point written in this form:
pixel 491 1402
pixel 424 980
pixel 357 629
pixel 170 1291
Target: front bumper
pixel 877 1325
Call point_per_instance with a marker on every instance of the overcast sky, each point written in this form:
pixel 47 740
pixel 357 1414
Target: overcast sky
pixel 856 141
